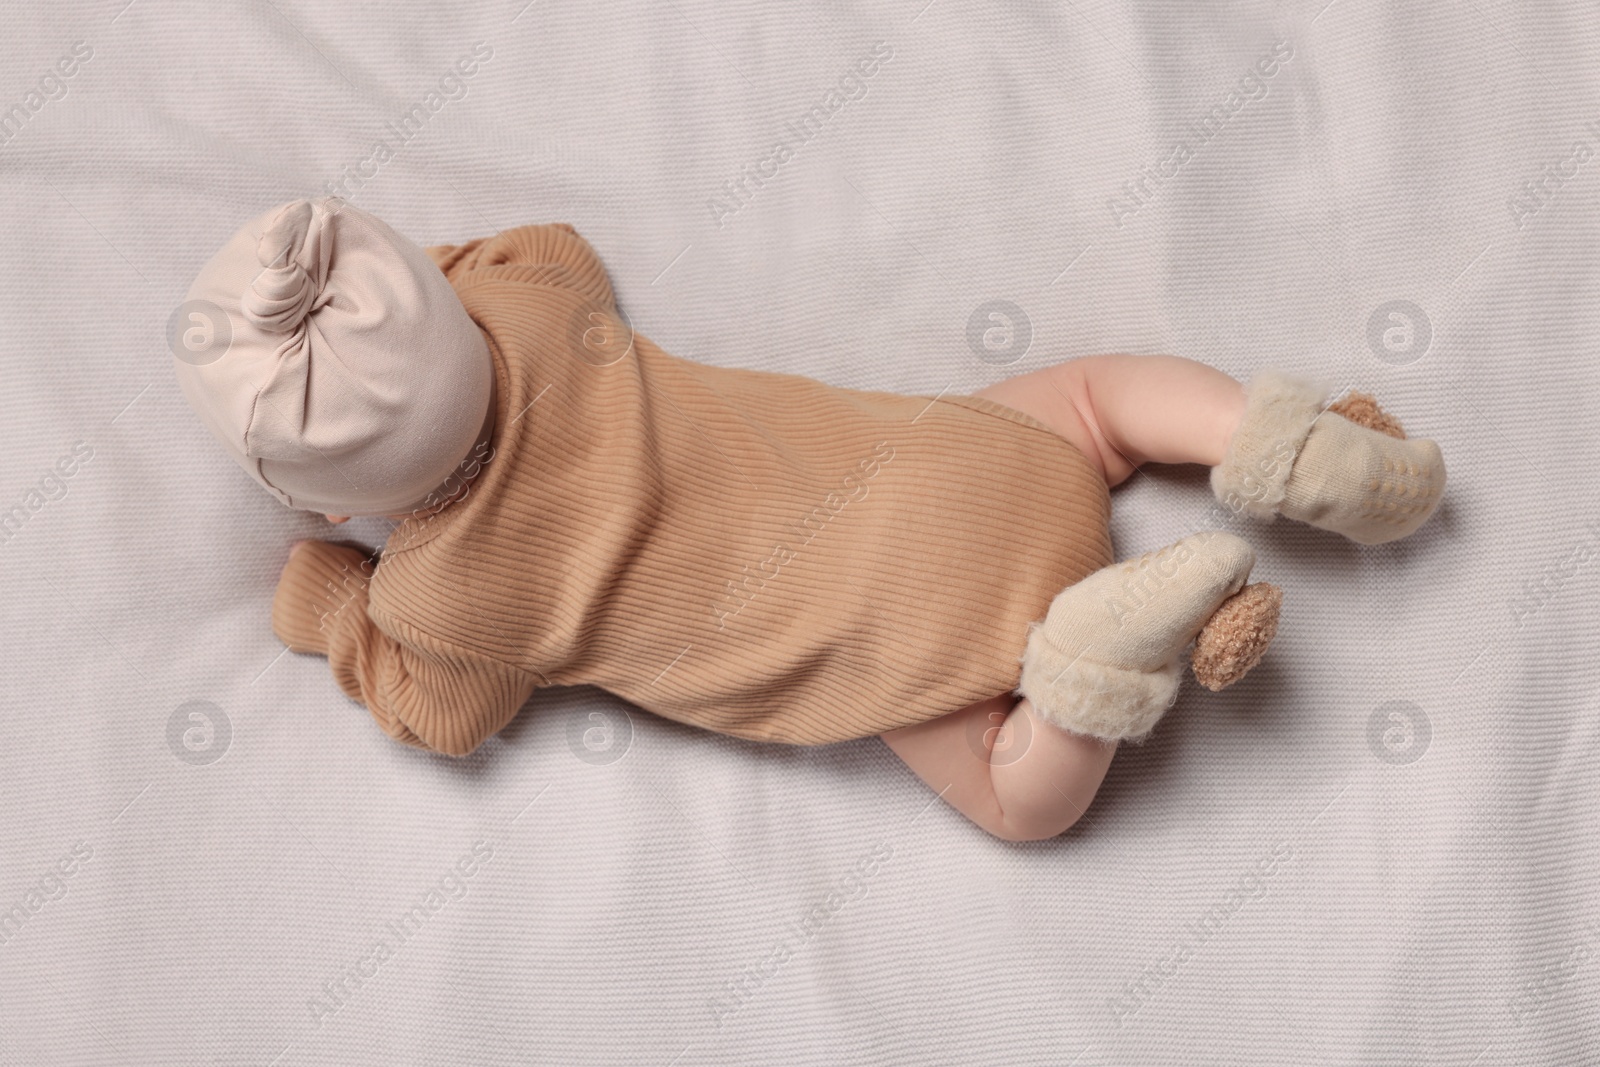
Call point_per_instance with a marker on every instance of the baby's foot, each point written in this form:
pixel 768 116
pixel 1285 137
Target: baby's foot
pixel 1106 660
pixel 1347 468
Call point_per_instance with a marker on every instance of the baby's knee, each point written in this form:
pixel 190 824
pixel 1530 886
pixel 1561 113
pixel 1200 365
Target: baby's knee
pixel 1048 785
pixel 1042 814
pixel 1034 830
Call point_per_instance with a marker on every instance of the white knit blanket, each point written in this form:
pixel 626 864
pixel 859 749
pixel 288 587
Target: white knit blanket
pixel 1379 848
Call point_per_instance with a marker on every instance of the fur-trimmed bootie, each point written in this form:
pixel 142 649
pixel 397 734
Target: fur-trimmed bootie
pixel 1347 467
pixel 1107 659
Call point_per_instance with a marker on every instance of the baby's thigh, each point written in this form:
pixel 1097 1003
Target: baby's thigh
pixel 1051 395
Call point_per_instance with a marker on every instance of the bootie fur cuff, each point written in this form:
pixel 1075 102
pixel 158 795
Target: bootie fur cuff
pixel 1094 699
pixel 1278 414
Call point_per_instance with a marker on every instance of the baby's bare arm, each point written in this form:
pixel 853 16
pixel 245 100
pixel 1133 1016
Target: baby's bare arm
pixel 1015 776
pixel 1124 411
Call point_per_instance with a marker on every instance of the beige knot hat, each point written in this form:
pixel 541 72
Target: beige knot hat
pixel 334 362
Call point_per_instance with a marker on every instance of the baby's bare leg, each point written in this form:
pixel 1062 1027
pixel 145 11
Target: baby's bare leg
pixel 1124 411
pixel 997 762
pixel 1016 776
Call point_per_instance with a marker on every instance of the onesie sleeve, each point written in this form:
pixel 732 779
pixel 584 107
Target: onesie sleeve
pixel 558 253
pixel 424 692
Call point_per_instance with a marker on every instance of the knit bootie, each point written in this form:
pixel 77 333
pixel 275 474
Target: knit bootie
pixel 1106 660
pixel 1347 467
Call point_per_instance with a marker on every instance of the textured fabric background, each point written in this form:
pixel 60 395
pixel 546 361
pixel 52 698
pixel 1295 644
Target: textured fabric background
pixel 1296 870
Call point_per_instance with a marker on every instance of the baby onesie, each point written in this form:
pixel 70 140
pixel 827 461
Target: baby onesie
pixel 756 553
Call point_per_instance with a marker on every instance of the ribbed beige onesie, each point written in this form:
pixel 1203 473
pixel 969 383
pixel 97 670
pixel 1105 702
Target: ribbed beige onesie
pixel 760 554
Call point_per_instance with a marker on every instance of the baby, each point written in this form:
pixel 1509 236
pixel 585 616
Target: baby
pixel 754 553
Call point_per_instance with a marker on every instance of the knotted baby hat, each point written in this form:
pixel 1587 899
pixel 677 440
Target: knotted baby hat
pixel 334 362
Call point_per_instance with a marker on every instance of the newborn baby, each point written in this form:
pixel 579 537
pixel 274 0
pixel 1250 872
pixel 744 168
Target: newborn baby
pixel 754 553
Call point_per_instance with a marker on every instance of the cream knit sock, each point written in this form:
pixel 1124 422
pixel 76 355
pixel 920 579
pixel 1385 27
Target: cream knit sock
pixel 1293 457
pixel 1105 661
